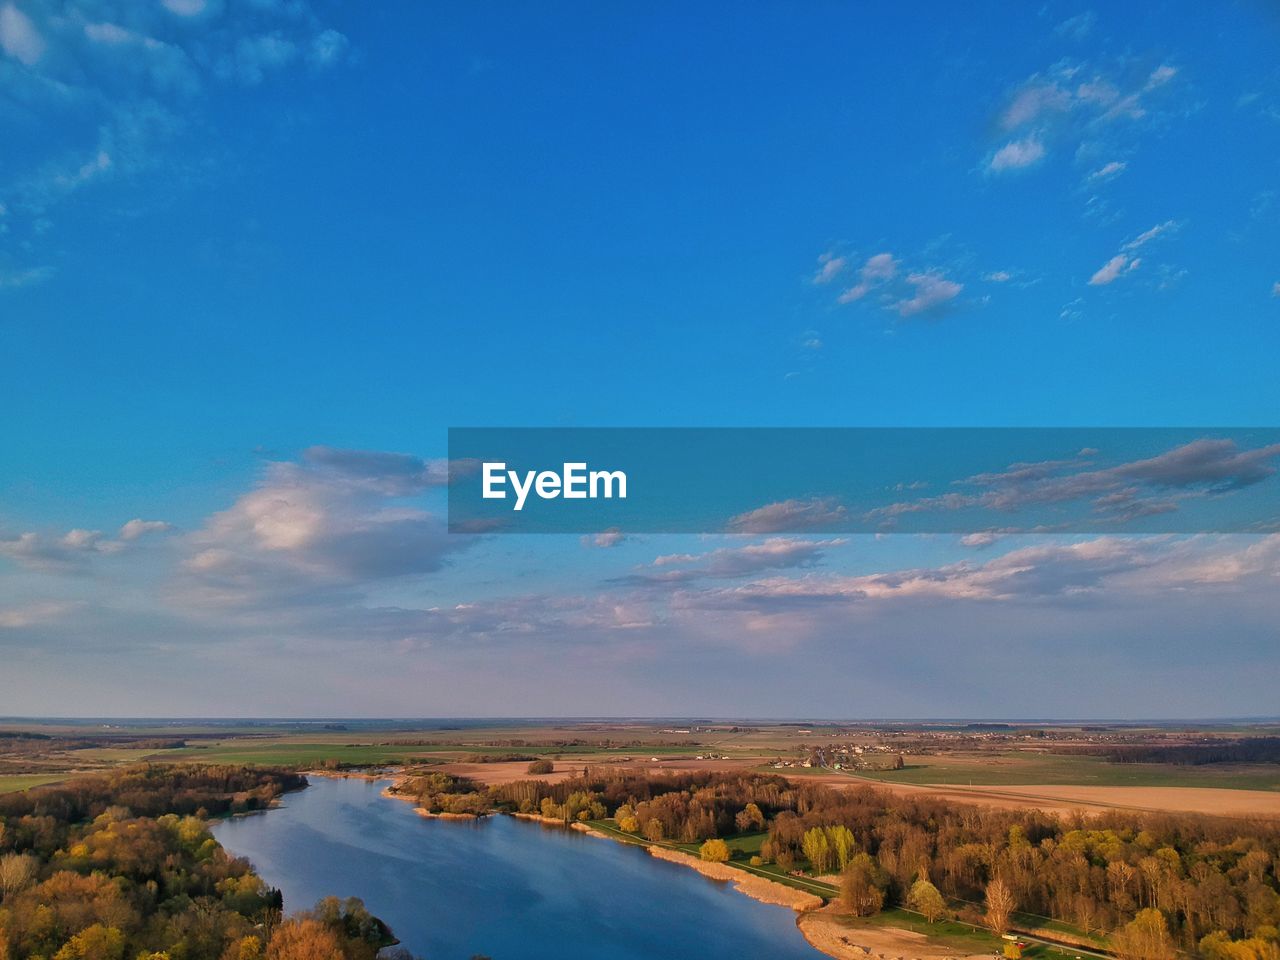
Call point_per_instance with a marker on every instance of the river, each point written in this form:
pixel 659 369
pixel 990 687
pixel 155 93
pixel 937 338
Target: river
pixel 505 888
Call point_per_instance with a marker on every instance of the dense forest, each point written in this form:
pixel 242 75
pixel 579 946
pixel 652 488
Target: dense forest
pixel 122 867
pixel 1241 750
pixel 1157 884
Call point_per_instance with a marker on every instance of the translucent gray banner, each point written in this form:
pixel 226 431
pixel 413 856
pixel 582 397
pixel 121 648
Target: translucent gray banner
pixel 864 480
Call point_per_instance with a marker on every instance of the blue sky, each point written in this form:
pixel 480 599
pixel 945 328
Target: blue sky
pixel 236 232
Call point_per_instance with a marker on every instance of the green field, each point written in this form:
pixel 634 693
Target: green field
pixel 312 751
pixel 297 753
pixel 13 782
pixel 1025 768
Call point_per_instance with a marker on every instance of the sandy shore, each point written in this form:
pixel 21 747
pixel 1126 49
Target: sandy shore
pixel 555 822
pixel 826 933
pixel 755 887
pixel 424 812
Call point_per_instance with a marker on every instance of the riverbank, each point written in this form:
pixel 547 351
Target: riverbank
pixel 757 888
pixel 817 921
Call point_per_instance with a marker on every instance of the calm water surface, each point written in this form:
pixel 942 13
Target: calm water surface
pixel 507 888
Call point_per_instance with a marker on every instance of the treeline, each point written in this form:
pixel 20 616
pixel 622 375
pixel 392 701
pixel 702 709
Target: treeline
pixel 30 742
pixel 1205 877
pixel 1243 750
pixel 442 793
pixel 123 867
pixel 150 790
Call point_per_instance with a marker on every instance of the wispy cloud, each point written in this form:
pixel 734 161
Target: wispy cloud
pixel 789 516
pixel 1120 493
pixel 727 563
pixel 923 292
pixel 31 614
pixel 1125 262
pixel 1016 155
pixel 19 37
pixel 1142 239
pixel 605 539
pixel 1113 269
pixel 1076 108
pixel 932 293
pixel 830 266
pixel 71 550
pixel 1108 171
pixel 1077 27
pixel 119 84
pixel 28 277
pixel 877 271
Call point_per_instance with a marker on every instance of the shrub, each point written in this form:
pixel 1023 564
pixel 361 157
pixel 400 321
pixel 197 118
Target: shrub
pixel 714 851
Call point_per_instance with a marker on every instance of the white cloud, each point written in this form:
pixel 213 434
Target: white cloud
pixel 728 563
pixel 999 276
pixel 829 267
pixel 312 531
pixel 140 528
pixel 1275 289
pixel 24 278
pixel 605 539
pixel 328 47
pixel 1124 262
pixel 1033 101
pixel 919 292
pixel 1076 106
pixel 1205 467
pixel 1105 565
pixel 31 614
pixel 185 8
pixel 1077 27
pixel 791 515
pixel 1016 155
pixel 19 37
pixel 37 551
pixel 1147 236
pixel 1160 76
pixel 126 79
pixel 932 292
pixel 1107 171
pixel 255 57
pixel 879 269
pixel 1111 270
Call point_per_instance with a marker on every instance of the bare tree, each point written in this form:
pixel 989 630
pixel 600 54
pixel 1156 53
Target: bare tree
pixel 17 872
pixel 1000 906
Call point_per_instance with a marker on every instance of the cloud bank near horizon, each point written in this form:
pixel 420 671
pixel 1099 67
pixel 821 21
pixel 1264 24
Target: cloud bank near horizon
pixel 330 585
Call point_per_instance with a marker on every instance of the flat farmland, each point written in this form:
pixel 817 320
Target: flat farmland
pixel 1008 769
pixel 1086 784
pixel 12 783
